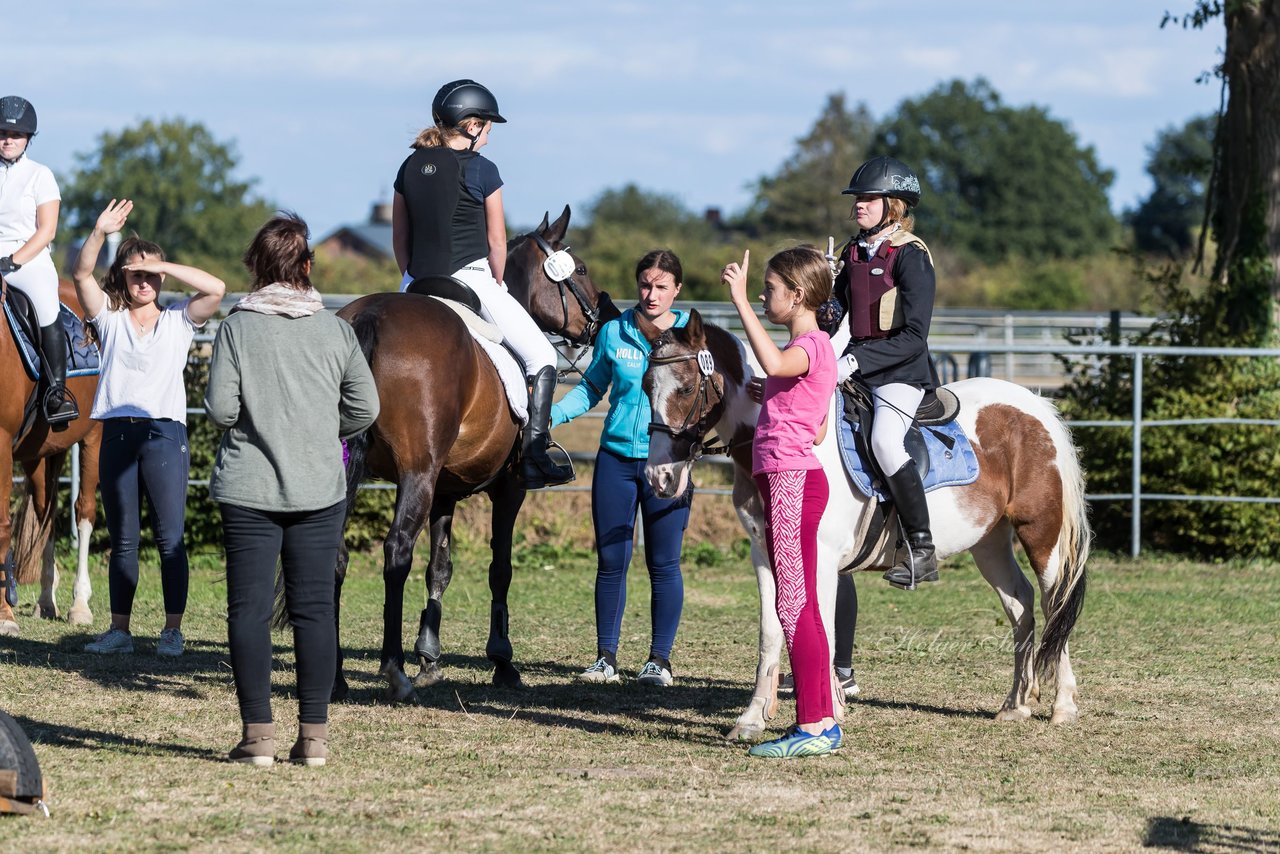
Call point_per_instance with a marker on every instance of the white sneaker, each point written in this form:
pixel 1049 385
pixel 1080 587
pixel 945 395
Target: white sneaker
pixel 654 674
pixel 602 672
pixel 113 640
pixel 171 643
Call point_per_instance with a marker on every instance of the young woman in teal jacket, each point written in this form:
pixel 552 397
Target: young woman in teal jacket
pixel 619 360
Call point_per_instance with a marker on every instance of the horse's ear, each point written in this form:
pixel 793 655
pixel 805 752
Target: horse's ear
pixel 559 227
pixel 647 328
pixel 693 329
pixel 543 227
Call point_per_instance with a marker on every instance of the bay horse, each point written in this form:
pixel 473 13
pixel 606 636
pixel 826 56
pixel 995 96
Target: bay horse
pixel 1030 485
pixel 42 454
pixel 445 432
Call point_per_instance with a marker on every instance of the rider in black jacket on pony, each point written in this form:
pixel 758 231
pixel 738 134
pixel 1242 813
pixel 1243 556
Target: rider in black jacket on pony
pixel 886 287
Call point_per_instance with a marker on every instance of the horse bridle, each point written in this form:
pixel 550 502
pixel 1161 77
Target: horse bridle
pixel 692 430
pixel 568 284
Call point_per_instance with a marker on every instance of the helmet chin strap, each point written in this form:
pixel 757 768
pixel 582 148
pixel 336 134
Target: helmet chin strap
pixel 881 225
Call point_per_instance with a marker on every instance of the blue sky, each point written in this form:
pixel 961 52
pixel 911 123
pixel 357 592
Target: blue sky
pixel 697 99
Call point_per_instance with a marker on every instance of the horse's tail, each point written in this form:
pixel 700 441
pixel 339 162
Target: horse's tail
pixel 1066 595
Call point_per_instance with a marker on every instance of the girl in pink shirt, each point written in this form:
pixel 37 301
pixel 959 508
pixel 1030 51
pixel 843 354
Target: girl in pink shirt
pixel 801 378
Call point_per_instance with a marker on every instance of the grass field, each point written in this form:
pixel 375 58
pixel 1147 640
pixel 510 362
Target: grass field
pixel 1177 746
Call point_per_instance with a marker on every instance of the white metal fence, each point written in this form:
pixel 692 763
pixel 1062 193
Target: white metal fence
pixel 1029 346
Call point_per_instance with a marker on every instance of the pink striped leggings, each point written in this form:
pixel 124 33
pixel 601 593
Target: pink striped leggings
pixel 793 505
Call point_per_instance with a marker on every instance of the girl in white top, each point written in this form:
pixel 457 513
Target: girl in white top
pixel 29 204
pixel 142 404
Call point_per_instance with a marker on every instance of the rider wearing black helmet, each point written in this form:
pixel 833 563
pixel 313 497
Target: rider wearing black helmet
pixel 886 285
pixel 447 220
pixel 29 204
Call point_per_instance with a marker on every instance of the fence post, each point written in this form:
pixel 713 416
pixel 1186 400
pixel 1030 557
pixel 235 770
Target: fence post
pixel 1008 340
pixel 1136 478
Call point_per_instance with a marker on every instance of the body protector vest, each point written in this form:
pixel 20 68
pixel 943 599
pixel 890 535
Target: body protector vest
pixel 446 225
pixel 874 311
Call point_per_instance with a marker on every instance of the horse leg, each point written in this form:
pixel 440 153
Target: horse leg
pixel 413 502
pixel 751 724
pixel 508 496
pixel 86 514
pixel 8 623
pixel 995 558
pixel 38 514
pixel 439 574
pixel 340 688
pixel 1065 710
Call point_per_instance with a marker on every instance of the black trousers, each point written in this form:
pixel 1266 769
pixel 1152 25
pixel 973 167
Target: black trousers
pixel 306 544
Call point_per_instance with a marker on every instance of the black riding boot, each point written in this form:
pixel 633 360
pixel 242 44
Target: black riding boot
pixel 59 406
pixel 921 561
pixel 537 469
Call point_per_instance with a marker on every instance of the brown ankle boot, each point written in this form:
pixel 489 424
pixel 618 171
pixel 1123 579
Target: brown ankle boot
pixel 257 746
pixel 312 746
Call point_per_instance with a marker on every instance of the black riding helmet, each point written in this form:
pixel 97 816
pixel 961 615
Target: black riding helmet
pixel 463 99
pixel 17 114
pixel 885 176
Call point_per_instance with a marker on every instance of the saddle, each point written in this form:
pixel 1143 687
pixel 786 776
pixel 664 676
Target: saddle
pixel 938 407
pixel 24 326
pixel 445 288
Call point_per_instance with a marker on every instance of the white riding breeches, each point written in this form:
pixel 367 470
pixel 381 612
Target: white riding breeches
pixel 501 309
pixel 895 407
pixel 38 280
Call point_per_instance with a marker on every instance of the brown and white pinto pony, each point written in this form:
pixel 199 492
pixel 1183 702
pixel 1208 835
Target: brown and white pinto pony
pixel 42 454
pixel 1030 486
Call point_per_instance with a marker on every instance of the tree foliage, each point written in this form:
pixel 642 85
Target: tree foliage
pixel 1179 163
pixel 802 199
pixel 183 185
pixel 999 181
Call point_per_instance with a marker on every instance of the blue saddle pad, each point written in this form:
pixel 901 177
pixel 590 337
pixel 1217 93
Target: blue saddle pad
pixel 82 356
pixel 954 466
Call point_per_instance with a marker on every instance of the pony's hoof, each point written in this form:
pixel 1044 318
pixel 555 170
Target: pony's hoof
pixel 79 616
pixel 506 676
pixel 47 612
pixel 1065 716
pixel 8 629
pixel 1017 713
pixel 399 689
pixel 745 732
pixel 429 674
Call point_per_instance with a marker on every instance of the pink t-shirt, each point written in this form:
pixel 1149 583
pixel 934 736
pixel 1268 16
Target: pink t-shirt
pixel 793 409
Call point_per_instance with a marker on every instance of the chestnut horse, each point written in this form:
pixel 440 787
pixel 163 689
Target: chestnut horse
pixel 42 454
pixel 446 431
pixel 1030 486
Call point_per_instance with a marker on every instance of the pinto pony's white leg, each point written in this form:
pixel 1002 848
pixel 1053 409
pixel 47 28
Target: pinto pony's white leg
pixel 751 724
pixel 995 559
pixel 82 589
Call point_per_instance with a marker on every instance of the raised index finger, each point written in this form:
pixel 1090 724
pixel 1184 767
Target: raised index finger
pixel 746 256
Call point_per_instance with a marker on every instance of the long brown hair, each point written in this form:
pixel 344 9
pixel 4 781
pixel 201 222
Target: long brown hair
pixel 279 253
pixel 114 286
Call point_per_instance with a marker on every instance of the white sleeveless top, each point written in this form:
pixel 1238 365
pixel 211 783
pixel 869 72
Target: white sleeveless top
pixel 142 374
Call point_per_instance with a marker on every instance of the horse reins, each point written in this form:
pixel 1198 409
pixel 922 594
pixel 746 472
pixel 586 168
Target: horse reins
pixel 693 430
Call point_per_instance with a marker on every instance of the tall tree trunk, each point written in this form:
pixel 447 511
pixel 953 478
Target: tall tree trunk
pixel 1247 204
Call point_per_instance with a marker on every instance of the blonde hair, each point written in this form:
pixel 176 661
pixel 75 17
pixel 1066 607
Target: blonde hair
pixel 436 136
pixel 803 268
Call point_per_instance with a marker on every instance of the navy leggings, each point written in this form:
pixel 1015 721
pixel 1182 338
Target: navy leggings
pixel 306 546
pixel 145 456
pixel 618 487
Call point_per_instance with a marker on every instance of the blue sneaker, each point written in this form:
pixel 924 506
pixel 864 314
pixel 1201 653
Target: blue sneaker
pixel 794 744
pixel 835 736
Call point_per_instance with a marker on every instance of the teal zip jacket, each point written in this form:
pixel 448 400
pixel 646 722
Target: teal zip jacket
pixel 619 359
